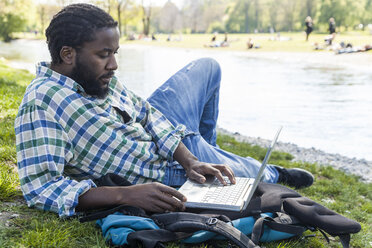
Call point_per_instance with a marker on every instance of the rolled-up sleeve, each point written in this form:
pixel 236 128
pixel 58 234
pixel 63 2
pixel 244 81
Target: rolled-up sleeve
pixel 43 150
pixel 164 134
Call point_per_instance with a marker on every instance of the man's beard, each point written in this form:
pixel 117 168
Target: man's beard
pixel 83 76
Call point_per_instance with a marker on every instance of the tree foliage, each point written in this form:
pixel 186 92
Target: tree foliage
pixel 198 16
pixel 12 18
pixel 10 23
pixel 246 16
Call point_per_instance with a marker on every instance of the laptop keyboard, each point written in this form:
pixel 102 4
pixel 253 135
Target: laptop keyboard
pixel 226 195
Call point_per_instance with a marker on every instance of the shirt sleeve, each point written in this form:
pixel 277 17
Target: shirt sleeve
pixel 43 149
pixel 164 134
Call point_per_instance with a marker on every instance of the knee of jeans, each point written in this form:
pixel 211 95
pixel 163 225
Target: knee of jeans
pixel 214 68
pixel 212 62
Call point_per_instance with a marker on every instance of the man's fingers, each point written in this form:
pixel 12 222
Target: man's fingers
pixel 171 198
pixel 162 206
pixel 219 169
pixel 172 192
pixel 197 177
pixel 215 171
pixel 218 174
pixel 168 202
pixel 227 171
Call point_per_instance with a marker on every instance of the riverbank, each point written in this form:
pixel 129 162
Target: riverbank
pixel 359 167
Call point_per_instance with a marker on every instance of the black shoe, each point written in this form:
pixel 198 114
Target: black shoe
pixel 295 177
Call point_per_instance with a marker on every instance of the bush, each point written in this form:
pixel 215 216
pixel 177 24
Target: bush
pixel 10 23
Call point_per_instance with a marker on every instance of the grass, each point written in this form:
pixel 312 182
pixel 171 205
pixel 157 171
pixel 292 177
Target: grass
pixel 334 189
pixel 238 42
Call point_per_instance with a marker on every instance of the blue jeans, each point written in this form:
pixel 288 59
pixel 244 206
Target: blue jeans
pixel 190 97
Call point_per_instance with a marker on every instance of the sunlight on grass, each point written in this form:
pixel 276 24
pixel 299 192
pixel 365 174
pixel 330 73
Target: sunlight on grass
pixel 9 182
pixel 46 230
pixel 294 42
pixel 12 86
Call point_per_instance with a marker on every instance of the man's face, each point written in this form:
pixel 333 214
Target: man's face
pixel 95 62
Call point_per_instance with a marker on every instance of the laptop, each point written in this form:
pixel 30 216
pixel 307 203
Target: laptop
pixel 232 197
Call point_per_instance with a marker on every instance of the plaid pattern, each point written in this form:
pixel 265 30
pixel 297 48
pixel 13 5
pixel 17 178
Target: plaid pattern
pixel 65 138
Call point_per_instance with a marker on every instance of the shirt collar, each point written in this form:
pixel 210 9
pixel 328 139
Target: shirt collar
pixel 43 70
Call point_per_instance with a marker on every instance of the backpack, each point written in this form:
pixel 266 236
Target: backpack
pixel 274 213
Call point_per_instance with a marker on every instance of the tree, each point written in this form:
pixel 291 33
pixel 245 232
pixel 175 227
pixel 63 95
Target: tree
pixel 146 17
pixel 239 18
pixel 273 13
pixel 12 17
pixel 289 10
pixel 246 4
pixel 310 7
pixel 214 15
pixel 45 13
pixel 366 16
pixel 193 14
pixel 121 5
pixel 10 23
pixel 131 17
pixel 257 15
pixel 169 18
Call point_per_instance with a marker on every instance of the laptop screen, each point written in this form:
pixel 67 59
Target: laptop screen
pixel 263 166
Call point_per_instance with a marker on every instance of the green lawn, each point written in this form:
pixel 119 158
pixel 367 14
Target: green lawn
pixel 33 228
pixel 238 42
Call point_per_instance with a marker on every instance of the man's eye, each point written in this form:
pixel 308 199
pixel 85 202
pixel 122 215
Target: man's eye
pixel 105 55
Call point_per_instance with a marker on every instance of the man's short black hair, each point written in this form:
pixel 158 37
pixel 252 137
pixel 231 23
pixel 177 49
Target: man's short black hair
pixel 74 25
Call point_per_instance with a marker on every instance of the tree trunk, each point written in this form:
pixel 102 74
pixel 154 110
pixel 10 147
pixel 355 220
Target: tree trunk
pixel 146 20
pixel 246 16
pixel 119 17
pixel 257 15
pixel 309 7
pixel 109 6
pixel 42 18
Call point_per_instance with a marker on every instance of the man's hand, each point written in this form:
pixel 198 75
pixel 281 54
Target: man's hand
pixel 196 170
pixel 155 197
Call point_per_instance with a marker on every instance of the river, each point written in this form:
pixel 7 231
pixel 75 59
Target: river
pixel 322 100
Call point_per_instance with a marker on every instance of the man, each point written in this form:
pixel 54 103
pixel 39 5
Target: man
pixel 77 123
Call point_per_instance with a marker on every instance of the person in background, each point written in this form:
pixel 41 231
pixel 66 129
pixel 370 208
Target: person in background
pixel 309 27
pixel 332 30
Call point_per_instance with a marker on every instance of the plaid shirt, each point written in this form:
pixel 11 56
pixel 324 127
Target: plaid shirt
pixel 65 138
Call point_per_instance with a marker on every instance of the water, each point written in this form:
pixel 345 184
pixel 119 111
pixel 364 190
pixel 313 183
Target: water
pixel 322 100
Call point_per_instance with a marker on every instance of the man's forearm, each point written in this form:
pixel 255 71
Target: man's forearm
pixel 183 156
pixel 101 197
pixel 154 197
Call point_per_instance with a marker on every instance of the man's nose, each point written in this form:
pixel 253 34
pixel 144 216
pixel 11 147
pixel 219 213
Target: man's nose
pixel 112 65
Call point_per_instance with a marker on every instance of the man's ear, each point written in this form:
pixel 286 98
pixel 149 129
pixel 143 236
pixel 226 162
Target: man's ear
pixel 67 55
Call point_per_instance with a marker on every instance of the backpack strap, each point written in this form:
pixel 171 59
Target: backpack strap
pixel 124 209
pixel 154 238
pixel 282 223
pixel 345 240
pixel 190 223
